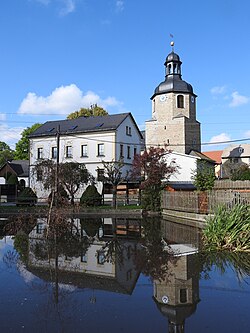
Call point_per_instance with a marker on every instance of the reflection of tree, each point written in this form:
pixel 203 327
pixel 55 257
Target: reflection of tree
pixel 21 244
pixel 20 223
pixel 10 259
pixel 239 262
pixel 153 257
pixel 91 225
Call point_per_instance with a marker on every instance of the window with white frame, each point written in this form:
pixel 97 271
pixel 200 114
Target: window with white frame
pixel 69 152
pixel 100 149
pixel 100 175
pixel 121 151
pixel 100 257
pixel 39 175
pixel 84 150
pixel 128 130
pixel 54 152
pixel 39 153
pixel 128 152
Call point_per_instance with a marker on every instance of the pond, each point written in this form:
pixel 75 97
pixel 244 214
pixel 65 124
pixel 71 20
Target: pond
pixel 119 275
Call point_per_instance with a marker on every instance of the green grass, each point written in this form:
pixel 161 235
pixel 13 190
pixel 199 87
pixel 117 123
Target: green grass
pixel 228 229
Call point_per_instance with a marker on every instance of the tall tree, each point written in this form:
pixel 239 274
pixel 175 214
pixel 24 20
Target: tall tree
pixel 22 146
pixel 6 153
pixel 154 170
pixel 71 176
pixel 94 110
pixel 113 175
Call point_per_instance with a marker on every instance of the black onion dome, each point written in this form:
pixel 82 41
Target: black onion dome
pixel 173 84
pixel 172 57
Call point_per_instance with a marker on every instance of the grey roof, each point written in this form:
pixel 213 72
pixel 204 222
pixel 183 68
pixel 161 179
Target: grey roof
pixel 20 167
pixel 236 150
pixel 173 57
pixel 82 125
pixel 173 83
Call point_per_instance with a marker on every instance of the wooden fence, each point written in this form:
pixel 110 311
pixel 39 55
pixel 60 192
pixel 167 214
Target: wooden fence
pixel 204 203
pixel 233 185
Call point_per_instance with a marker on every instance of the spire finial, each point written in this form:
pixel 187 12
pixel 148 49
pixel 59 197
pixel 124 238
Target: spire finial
pixel 172 42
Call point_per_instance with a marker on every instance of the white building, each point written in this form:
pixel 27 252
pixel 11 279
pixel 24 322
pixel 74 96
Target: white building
pixel 88 140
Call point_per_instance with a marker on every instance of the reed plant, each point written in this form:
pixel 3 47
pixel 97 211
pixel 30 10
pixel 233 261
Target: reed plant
pixel 228 229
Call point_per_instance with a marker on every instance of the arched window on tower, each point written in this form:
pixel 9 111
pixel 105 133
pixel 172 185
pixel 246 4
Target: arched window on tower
pixel 180 101
pixel 169 69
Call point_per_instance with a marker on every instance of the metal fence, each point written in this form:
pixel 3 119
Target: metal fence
pixel 198 202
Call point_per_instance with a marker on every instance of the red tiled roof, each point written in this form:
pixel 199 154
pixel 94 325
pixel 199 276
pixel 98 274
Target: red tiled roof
pixel 214 155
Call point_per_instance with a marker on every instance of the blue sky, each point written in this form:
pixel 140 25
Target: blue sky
pixel 59 55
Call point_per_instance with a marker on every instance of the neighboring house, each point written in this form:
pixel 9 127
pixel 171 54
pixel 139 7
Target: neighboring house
pixel 186 168
pixel 88 140
pixel 19 168
pixel 233 157
pixel 216 156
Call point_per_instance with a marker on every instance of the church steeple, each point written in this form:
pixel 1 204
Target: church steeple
pixel 174 111
pixel 173 63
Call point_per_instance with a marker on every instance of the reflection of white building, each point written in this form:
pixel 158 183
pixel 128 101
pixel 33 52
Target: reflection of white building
pixel 88 140
pixel 94 267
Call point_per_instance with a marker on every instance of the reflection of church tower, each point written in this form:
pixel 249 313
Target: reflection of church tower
pixel 177 296
pixel 173 120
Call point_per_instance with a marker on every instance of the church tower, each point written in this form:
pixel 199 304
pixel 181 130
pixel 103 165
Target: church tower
pixel 173 120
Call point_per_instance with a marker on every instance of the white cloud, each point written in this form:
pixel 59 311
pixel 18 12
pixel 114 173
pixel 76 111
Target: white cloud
pixel 68 7
pixel 238 99
pixel 218 90
pixel 63 100
pixel 247 134
pixel 2 116
pixel 44 2
pixel 119 5
pixel 10 134
pixel 220 138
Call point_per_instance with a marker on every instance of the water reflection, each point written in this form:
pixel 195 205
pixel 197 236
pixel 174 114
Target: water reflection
pixel 79 263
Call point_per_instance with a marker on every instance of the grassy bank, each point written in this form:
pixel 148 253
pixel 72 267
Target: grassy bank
pixel 228 229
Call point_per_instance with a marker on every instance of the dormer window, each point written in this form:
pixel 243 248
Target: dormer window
pixel 241 150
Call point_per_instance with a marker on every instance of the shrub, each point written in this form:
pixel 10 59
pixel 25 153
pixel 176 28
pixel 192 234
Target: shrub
pixel 91 197
pixel 204 176
pixel 242 173
pixel 12 180
pixel 62 197
pixel 27 197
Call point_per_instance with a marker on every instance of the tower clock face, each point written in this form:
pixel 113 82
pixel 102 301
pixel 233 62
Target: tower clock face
pixel 192 99
pixel 163 98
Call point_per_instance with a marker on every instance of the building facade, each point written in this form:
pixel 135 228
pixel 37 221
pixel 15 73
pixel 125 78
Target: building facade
pixel 88 140
pixel 173 122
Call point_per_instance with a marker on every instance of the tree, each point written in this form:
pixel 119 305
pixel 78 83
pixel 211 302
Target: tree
pixel 22 146
pixel 91 197
pixel 113 175
pixel 93 110
pixel 6 153
pixel 204 176
pixel 70 176
pixel 154 170
pixel 242 173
